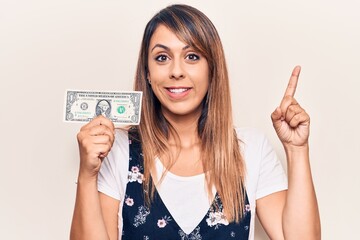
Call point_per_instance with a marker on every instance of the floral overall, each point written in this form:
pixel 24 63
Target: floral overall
pixel 156 223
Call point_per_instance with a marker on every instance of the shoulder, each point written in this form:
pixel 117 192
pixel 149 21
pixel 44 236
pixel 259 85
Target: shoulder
pixel 251 143
pixel 265 173
pixel 250 138
pixel 255 147
pixel 248 132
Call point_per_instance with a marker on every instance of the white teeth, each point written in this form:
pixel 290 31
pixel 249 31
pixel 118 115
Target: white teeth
pixel 177 90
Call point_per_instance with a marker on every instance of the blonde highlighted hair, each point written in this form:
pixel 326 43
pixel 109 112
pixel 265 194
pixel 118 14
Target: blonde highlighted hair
pixel 221 157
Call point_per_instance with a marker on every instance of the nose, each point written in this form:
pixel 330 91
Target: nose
pixel 176 71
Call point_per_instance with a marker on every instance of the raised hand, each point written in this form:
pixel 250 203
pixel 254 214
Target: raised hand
pixel 291 122
pixel 95 141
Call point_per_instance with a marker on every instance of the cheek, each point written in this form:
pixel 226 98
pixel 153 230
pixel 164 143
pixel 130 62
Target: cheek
pixel 203 82
pixel 200 74
pixel 156 84
pixel 205 88
pixel 156 78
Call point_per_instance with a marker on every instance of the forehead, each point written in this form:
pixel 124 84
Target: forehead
pixel 163 35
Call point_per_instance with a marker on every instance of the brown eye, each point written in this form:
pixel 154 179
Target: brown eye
pixel 161 58
pixel 192 57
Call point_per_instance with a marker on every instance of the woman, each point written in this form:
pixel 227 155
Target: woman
pixel 185 172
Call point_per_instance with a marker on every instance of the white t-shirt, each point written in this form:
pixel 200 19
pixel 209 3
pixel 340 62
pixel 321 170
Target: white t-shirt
pixel 265 175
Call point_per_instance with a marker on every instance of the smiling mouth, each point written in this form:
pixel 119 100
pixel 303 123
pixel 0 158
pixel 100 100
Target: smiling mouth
pixel 178 90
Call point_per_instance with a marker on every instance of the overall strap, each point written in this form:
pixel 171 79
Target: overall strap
pixel 135 150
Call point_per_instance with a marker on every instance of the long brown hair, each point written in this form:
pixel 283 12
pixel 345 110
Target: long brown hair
pixel 221 157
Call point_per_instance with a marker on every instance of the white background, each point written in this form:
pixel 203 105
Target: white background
pixel 49 46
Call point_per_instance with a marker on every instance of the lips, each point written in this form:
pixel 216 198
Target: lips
pixel 177 92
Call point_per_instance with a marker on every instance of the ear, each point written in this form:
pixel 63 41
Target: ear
pixel 148 78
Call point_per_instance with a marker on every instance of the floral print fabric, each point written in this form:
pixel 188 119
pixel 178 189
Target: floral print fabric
pixel 156 223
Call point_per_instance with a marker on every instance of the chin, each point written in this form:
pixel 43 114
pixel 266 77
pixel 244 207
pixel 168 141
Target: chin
pixel 182 112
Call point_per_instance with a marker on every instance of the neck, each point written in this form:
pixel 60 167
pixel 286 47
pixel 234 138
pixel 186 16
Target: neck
pixel 185 145
pixel 186 127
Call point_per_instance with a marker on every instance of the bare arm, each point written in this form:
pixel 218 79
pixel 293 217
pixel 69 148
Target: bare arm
pixel 292 214
pixel 88 222
pixel 110 209
pixel 296 214
pixel 269 211
pixel 94 213
pixel 301 218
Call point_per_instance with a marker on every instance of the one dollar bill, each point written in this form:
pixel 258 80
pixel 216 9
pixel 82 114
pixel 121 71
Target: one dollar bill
pixel 120 107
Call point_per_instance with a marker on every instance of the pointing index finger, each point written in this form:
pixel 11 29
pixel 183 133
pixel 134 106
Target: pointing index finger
pixel 291 88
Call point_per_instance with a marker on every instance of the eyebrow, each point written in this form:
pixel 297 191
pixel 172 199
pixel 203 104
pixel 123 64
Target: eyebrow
pixel 167 48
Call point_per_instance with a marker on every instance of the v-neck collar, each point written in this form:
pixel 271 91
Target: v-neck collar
pixel 161 202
